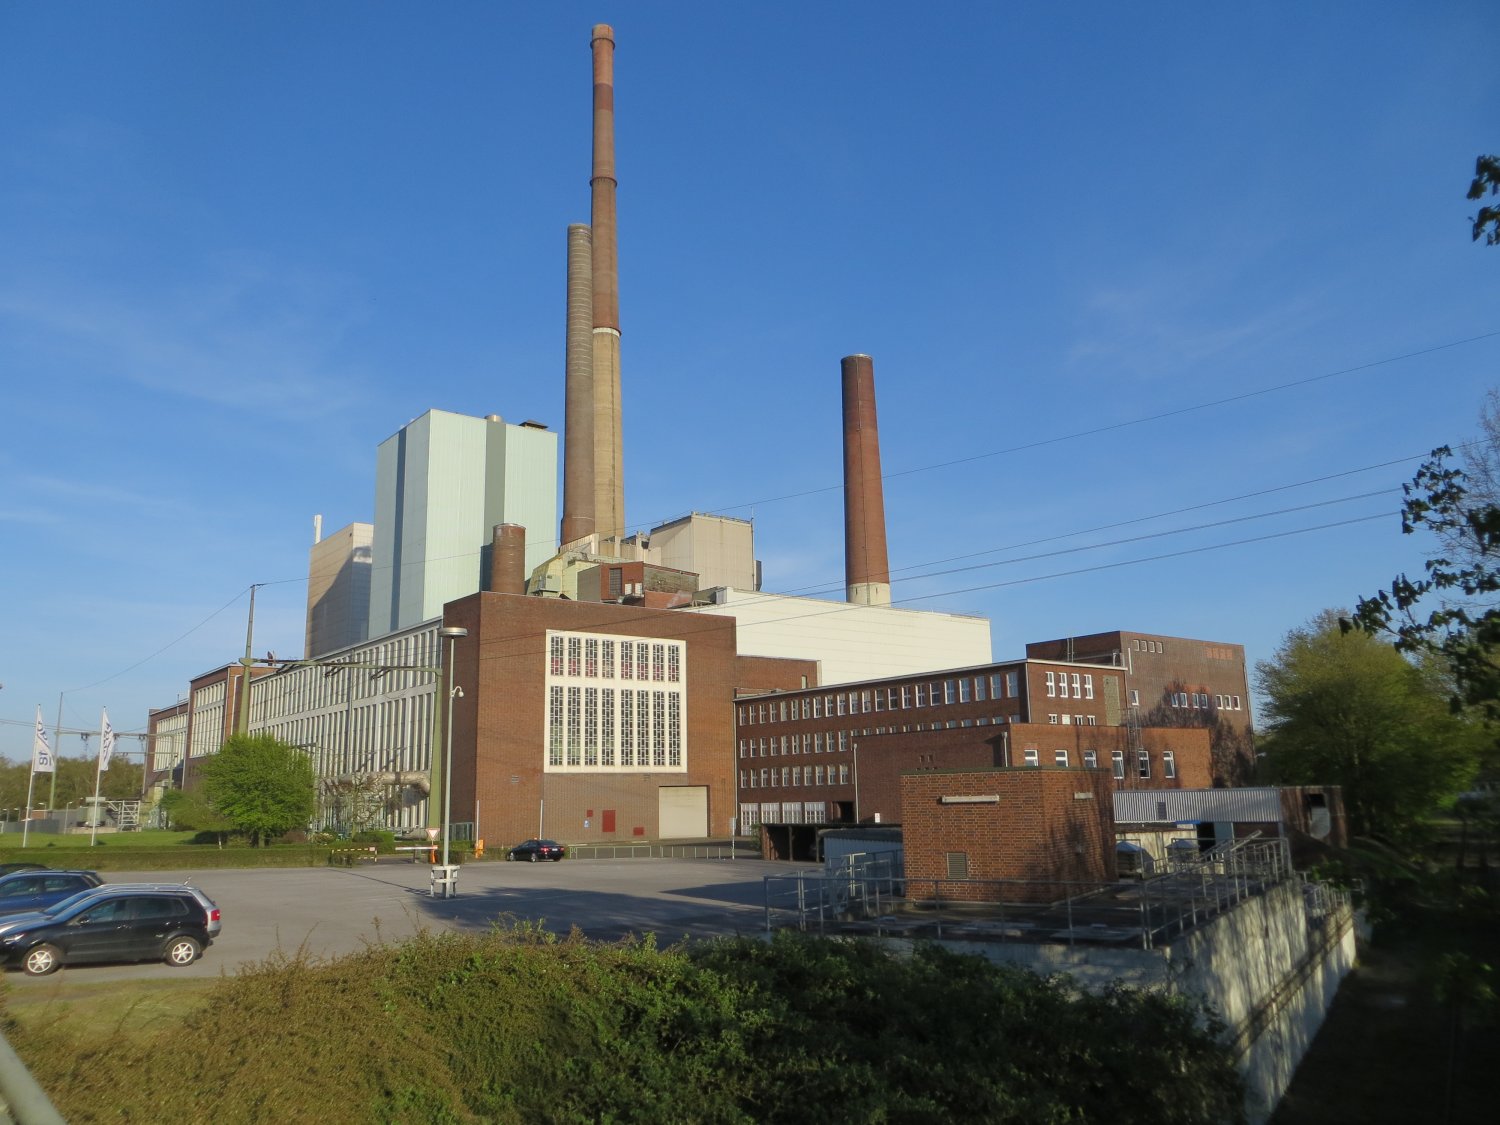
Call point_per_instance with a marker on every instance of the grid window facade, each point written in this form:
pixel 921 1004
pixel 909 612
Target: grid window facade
pixel 591 727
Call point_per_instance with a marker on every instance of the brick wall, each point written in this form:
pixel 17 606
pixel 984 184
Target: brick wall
pixel 1049 827
pixel 499 743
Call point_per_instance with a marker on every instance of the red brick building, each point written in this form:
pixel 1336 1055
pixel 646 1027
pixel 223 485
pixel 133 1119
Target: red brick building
pixel 1176 682
pixel 596 722
pixel 1053 828
pixel 833 754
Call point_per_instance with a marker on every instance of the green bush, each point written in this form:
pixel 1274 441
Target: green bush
pixel 521 1026
pixel 385 842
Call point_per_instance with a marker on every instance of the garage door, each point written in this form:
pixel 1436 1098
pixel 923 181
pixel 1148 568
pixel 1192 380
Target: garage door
pixel 683 811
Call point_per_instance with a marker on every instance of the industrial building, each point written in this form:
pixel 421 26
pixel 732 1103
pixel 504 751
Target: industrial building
pixel 619 686
pixel 338 587
pixel 442 482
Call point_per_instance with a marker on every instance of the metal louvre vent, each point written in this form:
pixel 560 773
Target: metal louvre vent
pixel 958 864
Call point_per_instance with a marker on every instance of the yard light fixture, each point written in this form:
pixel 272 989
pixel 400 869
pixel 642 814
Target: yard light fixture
pixel 453 633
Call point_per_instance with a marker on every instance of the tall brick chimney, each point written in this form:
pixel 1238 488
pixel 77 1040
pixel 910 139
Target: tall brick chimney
pixel 578 420
pixel 609 479
pixel 867 572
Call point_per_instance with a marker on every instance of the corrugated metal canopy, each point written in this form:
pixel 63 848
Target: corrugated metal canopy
pixel 1153 806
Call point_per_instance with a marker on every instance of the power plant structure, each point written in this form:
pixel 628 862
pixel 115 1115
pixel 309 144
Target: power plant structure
pixel 599 677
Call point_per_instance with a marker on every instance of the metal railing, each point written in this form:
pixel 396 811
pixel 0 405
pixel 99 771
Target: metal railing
pixel 870 895
pixel 718 850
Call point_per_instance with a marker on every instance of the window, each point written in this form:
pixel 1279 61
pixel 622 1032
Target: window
pixel 744 779
pixel 1030 756
pixel 1067 720
pixel 880 699
pixel 1060 758
pixel 786 776
pixel 1088 685
pixel 1013 684
pixel 1093 721
pixel 806 707
pixel 843 703
pixel 818 771
pixel 921 695
pixel 765 779
pixel 1091 759
pixel 1051 685
pixel 817 707
pixel 818 743
pixel 1077 686
pixel 864 703
pixel 950 691
pixel 997 686
pixel 1142 763
pixel 843 740
pixel 1236 702
pixel 1052 718
pixel 1117 759
pixel 963 691
pixel 1135 698
pixel 1168 763
pixel 905 696
pixel 843 775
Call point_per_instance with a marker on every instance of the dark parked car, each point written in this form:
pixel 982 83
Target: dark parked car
pixel 536 850
pixel 35 890
pixel 12 868
pixel 121 922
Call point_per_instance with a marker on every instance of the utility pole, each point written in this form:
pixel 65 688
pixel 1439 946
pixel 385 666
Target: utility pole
pixel 242 718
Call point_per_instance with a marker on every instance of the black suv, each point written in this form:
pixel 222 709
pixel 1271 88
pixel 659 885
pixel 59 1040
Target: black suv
pixel 121 922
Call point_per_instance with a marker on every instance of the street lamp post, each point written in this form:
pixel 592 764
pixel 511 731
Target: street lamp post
pixel 452 633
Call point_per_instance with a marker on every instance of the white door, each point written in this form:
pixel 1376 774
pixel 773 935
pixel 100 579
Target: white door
pixel 683 811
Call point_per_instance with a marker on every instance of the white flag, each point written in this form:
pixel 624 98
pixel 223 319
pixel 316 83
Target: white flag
pixel 41 751
pixel 106 741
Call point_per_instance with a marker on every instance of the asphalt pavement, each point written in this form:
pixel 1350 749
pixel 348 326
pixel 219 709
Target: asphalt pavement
pixel 325 912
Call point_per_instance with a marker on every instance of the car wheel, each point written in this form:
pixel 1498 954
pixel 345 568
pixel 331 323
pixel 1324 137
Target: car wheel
pixel 182 951
pixel 42 960
pixel 534 857
pixel 510 856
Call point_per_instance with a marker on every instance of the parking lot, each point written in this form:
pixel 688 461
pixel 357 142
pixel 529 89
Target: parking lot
pixel 330 911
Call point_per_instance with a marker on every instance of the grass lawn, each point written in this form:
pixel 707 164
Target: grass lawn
pixel 40 842
pixel 98 1009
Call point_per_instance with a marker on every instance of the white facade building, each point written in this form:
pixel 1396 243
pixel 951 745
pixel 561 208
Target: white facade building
pixel 442 482
pixel 851 642
pixel 362 714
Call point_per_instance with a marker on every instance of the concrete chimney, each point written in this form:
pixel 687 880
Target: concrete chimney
pixel 578 423
pixel 867 572
pixel 508 559
pixel 609 477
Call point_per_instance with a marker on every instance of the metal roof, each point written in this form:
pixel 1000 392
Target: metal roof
pixel 1170 806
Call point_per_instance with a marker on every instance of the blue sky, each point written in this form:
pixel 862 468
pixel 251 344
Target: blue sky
pixel 242 244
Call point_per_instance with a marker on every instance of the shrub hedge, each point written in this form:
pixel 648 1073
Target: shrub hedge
pixel 518 1026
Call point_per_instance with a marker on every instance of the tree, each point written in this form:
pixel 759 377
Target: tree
pixel 1346 708
pixel 1487 222
pixel 189 811
pixel 1452 612
pixel 261 785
